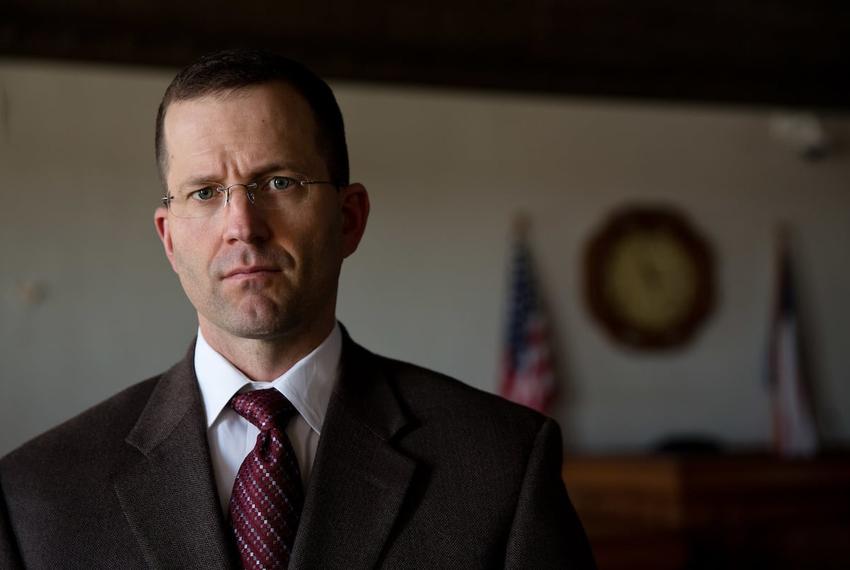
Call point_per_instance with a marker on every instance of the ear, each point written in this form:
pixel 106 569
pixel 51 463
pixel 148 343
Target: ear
pixel 160 220
pixel 355 212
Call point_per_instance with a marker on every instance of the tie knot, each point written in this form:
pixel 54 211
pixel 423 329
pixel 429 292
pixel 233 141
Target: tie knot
pixel 266 409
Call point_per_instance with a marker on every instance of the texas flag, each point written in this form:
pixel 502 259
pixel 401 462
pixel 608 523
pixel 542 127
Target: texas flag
pixel 794 431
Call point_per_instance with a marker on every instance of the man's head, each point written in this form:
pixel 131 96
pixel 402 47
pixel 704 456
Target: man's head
pixel 231 70
pixel 255 273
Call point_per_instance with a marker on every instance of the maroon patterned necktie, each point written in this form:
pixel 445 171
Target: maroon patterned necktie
pixel 267 495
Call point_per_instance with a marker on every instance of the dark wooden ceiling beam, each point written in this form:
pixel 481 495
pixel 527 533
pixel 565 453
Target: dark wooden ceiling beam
pixel 792 52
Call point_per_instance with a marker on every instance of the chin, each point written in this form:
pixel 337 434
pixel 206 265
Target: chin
pixel 257 329
pixel 259 325
pixel 257 317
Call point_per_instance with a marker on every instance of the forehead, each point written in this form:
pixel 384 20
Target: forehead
pixel 229 132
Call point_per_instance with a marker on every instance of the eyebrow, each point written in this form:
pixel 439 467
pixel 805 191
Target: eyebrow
pixel 254 175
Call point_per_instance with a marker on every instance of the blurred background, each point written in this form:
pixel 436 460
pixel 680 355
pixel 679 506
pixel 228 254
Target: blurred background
pixel 734 116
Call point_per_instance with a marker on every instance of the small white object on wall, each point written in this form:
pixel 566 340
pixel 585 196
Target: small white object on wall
pixel 803 132
pixel 32 292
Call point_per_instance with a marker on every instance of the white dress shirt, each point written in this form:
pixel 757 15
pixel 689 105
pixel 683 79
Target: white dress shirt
pixel 308 385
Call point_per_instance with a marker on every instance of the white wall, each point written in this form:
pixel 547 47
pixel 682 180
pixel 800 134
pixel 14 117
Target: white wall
pixel 446 171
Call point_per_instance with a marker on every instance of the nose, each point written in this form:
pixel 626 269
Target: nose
pixel 243 221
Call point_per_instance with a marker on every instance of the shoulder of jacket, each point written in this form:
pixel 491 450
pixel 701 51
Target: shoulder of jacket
pixel 99 425
pixel 424 388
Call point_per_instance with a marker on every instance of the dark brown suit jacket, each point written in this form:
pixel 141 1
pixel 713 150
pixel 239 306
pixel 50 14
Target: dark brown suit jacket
pixel 413 470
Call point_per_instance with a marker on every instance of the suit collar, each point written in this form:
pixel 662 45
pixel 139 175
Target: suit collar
pixel 359 479
pixel 365 390
pixel 168 495
pixel 356 491
pixel 173 398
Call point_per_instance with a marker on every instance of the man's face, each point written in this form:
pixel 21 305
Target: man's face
pixel 254 273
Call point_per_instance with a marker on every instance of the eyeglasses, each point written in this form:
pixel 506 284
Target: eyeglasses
pixel 273 193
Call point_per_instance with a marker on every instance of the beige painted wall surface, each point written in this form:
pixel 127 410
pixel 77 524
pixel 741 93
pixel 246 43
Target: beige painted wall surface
pixel 89 305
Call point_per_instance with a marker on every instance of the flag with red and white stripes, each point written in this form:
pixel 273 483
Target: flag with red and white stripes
pixel 794 431
pixel 527 371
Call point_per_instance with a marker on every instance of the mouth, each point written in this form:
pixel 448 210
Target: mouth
pixel 251 272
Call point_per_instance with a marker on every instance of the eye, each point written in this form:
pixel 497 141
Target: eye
pixel 204 194
pixel 280 183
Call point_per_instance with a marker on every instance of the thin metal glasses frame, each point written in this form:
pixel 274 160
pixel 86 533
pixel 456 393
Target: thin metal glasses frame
pixel 250 189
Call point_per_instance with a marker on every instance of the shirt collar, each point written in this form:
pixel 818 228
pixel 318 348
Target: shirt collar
pixel 308 384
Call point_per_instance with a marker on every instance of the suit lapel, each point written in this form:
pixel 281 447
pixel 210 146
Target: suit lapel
pixel 359 481
pixel 169 495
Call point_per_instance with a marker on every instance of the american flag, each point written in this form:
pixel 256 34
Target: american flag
pixel 527 372
pixel 794 431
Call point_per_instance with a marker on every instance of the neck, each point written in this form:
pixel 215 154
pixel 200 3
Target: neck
pixel 264 360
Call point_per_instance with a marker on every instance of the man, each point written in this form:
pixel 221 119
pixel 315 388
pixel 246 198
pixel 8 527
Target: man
pixel 277 440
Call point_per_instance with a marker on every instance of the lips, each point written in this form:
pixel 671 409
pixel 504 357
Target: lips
pixel 251 271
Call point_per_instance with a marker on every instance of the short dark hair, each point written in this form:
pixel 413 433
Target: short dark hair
pixel 234 69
